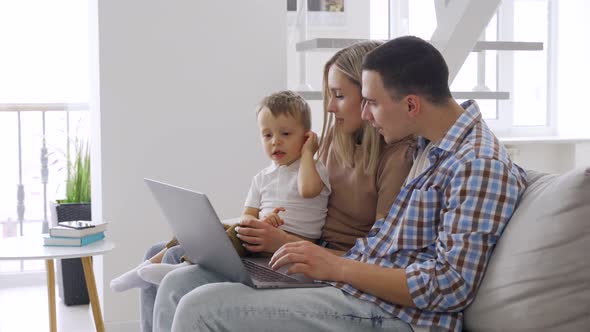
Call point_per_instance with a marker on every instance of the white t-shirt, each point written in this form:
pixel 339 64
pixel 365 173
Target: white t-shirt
pixel 420 164
pixel 276 186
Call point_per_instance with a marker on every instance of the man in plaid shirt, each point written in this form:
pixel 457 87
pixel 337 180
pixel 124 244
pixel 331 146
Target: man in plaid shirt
pixel 418 268
pixel 424 262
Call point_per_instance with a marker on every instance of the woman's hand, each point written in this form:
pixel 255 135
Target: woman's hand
pixel 311 143
pixel 246 217
pixel 259 236
pixel 312 260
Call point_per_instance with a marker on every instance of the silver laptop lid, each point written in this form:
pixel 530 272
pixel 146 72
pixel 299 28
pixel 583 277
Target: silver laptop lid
pixel 198 230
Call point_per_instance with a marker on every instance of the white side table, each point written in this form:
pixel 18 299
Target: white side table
pixel 31 247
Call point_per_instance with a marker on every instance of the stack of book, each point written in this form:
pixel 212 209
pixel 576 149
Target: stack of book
pixel 75 233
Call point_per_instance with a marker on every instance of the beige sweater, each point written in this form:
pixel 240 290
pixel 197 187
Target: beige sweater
pixel 358 199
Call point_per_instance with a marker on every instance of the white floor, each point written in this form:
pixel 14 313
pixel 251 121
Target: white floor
pixel 26 309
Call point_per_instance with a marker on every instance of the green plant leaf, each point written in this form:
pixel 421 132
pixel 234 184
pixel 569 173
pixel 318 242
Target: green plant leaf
pixel 78 177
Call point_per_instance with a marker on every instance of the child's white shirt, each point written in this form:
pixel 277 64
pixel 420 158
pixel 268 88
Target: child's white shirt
pixel 276 186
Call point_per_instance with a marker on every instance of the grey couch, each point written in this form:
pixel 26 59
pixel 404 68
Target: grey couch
pixel 538 278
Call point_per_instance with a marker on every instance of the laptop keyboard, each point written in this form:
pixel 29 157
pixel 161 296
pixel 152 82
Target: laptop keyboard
pixel 261 273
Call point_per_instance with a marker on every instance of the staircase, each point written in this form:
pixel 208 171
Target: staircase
pixel 460 30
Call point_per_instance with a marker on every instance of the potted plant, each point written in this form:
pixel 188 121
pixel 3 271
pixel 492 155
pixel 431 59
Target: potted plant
pixel 75 206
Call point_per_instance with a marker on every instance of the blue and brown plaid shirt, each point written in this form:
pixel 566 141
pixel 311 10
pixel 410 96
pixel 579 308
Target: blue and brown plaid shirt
pixel 444 224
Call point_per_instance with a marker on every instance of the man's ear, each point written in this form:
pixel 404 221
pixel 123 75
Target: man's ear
pixel 414 106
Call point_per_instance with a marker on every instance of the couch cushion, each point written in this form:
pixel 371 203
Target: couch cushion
pixel 538 277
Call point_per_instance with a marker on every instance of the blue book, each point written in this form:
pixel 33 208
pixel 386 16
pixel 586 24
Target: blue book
pixel 72 241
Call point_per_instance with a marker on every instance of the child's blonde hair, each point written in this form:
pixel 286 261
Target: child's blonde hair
pixel 288 103
pixel 349 61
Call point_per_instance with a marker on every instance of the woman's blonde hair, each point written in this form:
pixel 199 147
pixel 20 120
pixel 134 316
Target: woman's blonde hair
pixel 349 61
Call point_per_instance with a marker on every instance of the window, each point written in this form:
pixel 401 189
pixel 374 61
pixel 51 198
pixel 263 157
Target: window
pixel 45 72
pixel 524 74
pixel 45 51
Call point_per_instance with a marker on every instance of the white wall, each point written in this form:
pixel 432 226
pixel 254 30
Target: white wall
pixel 550 156
pixel 179 82
pixel 544 157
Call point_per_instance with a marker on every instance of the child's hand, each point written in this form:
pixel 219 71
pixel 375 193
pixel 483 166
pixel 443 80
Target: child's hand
pixel 311 143
pixel 273 218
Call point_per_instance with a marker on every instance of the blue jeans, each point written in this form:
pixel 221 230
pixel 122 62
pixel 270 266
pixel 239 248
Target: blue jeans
pixel 195 299
pixel 148 295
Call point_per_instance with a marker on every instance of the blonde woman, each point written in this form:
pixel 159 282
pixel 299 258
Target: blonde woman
pixel 365 175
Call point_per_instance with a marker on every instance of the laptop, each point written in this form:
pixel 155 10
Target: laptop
pixel 201 234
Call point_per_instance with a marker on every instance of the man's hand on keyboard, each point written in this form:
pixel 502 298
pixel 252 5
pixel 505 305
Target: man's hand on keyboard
pixel 312 260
